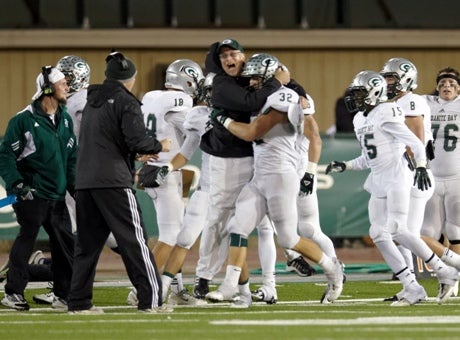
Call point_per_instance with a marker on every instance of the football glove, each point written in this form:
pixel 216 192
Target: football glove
pixel 23 192
pixel 152 176
pixel 422 179
pixel 336 166
pixel 218 116
pixel 306 184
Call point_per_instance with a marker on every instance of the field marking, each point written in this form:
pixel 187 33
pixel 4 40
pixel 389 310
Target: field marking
pixel 384 320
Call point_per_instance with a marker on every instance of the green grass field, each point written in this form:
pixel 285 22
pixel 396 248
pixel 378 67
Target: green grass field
pixel 360 313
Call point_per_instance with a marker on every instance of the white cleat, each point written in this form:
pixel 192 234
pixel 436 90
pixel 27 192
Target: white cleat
pixel 184 298
pixel 245 301
pixel 132 299
pixel 411 295
pixel 90 311
pixel 335 280
pixel 266 294
pixel 223 294
pixel 444 293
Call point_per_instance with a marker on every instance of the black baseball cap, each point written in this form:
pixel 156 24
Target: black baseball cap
pixel 232 43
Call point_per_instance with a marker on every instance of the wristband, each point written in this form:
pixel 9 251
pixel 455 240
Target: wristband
pixel 420 163
pixel 312 168
pixel 227 122
pixel 170 167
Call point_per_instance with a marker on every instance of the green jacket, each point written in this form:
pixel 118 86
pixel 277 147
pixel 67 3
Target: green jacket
pixel 38 153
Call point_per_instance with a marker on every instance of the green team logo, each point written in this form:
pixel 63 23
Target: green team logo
pixel 190 71
pixel 405 67
pixel 375 81
pixel 267 62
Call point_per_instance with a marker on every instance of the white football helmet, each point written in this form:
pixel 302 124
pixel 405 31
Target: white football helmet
pixel 76 70
pixel 261 65
pixel 403 71
pixel 206 88
pixel 185 75
pixel 368 88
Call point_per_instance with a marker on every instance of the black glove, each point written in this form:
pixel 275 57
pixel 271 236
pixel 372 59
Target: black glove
pixel 429 150
pixel 152 176
pixel 410 161
pixel 422 179
pixel 336 166
pixel 23 192
pixel 218 116
pixel 306 184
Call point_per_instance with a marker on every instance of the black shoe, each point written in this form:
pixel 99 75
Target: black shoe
pixel 300 266
pixel 201 288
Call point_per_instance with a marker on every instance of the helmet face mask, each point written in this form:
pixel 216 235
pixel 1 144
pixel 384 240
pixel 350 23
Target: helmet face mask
pixel 261 65
pixel 405 74
pixel 184 75
pixel 76 71
pixel 367 90
pixel 205 89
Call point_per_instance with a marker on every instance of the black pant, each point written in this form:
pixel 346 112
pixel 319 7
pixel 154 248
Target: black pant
pixel 99 212
pixel 55 219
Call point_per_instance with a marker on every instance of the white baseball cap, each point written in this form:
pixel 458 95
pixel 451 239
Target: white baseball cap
pixel 54 76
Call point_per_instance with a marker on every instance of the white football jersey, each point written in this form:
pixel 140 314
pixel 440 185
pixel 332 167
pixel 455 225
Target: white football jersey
pixel 75 104
pixel 164 115
pixel 415 105
pixel 383 136
pixel 276 151
pixel 445 125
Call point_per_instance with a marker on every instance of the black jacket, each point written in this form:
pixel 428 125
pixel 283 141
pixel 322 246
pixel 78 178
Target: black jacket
pixel 112 132
pixel 239 102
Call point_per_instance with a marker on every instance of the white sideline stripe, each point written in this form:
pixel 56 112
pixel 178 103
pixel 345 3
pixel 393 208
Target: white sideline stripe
pixel 400 320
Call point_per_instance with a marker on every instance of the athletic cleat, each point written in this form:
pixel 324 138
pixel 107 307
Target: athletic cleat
pixel 201 288
pixel 447 275
pixel 184 298
pixel 266 294
pixel 59 303
pixel 15 301
pixel 444 293
pixel 37 257
pixel 132 297
pixel 90 311
pixel 335 279
pixel 223 294
pixel 47 298
pixel 245 301
pixel 300 266
pixel 411 295
pixel 163 309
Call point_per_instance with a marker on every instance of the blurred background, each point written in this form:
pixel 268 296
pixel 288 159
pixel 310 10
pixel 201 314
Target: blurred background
pixel 324 43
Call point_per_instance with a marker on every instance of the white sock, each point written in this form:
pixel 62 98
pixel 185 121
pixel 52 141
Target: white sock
pixel 406 277
pixel 177 285
pixel 166 283
pixel 326 263
pixel 436 263
pixel 268 279
pixel 451 258
pixel 244 289
pixel 232 276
